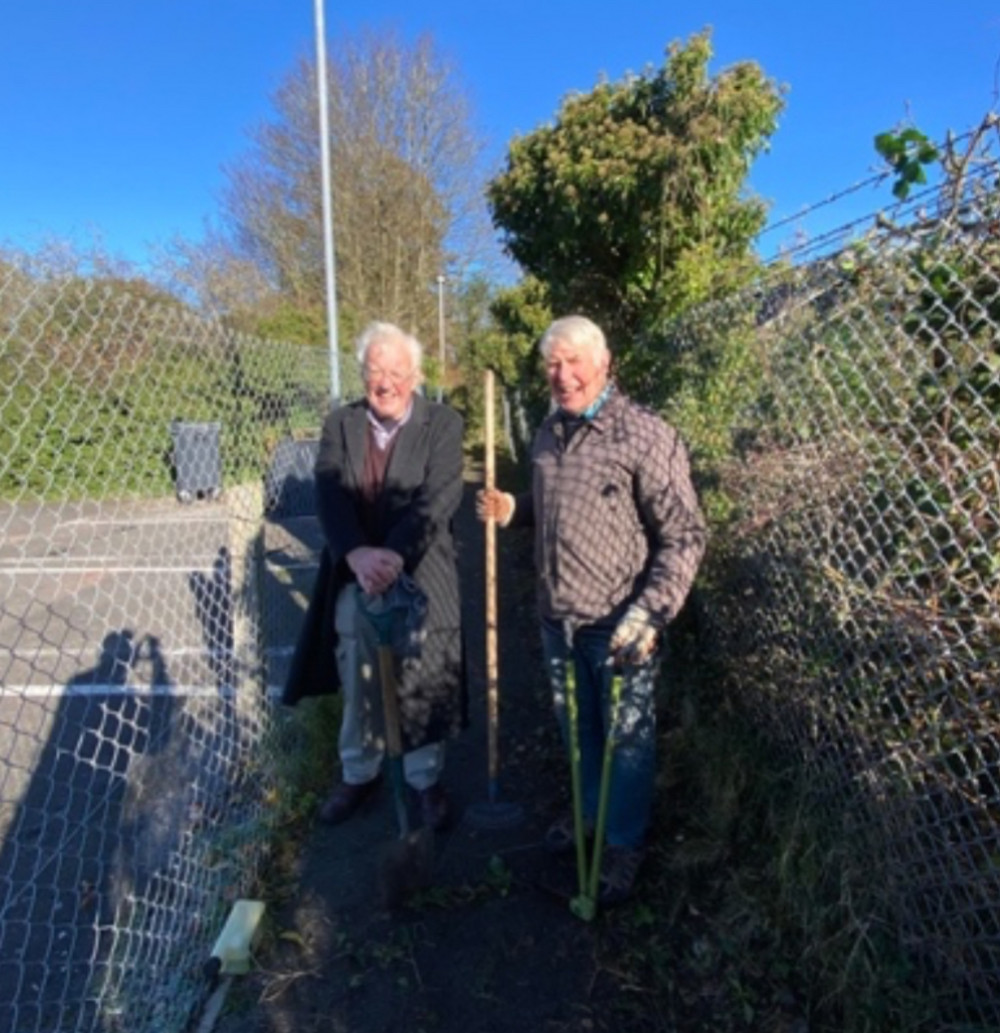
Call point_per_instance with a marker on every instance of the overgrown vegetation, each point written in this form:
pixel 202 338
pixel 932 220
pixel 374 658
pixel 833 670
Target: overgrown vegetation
pixel 99 371
pixel 771 912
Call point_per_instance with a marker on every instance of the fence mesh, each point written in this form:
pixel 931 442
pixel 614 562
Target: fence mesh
pixel 859 610
pixel 146 609
pixel 154 469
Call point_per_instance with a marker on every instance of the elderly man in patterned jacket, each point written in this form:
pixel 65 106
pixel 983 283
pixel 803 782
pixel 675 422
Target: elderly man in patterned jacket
pixel 619 536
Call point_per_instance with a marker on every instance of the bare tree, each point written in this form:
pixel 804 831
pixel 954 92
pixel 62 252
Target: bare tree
pixel 407 188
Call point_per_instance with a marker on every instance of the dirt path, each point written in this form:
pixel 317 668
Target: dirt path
pixel 484 949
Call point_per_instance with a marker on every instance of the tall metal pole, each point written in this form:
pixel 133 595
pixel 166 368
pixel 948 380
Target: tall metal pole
pixel 328 253
pixel 440 280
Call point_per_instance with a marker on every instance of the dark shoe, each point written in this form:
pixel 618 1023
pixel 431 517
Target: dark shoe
pixel 347 799
pixel 619 868
pixel 560 838
pixel 434 807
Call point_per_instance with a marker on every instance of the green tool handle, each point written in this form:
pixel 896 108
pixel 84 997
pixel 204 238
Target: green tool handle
pixel 574 767
pixel 602 800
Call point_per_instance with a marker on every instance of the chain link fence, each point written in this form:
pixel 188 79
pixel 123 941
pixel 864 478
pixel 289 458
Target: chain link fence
pixel 155 554
pixel 854 468
pixel 155 473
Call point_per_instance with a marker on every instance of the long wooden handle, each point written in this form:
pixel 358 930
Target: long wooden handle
pixel 390 701
pixel 492 700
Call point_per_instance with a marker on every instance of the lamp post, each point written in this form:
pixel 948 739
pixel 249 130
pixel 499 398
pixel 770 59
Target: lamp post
pixel 328 252
pixel 440 283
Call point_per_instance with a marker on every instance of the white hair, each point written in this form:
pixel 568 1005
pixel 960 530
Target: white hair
pixel 579 331
pixel 379 333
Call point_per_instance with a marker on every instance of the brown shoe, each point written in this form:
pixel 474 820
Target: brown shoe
pixel 346 799
pixel 434 807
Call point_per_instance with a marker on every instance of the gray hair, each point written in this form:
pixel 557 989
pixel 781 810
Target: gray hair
pixel 378 333
pixel 579 331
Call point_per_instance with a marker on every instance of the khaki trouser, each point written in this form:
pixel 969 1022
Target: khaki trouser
pixel 362 731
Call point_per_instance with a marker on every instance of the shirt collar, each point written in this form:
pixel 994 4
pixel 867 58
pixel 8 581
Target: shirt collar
pixel 593 409
pixel 387 430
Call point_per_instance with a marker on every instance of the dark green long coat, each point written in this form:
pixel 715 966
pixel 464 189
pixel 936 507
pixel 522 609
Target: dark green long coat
pixel 422 491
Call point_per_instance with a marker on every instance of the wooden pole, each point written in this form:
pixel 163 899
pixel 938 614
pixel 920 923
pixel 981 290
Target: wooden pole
pixel 492 692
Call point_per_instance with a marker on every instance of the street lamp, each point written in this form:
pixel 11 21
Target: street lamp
pixel 440 282
pixel 328 251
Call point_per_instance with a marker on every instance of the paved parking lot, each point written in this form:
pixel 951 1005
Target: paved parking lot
pixel 131 640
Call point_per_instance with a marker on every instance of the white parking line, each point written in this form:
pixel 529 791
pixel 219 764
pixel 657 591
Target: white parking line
pixel 116 689
pixel 52 568
pixel 159 521
pixel 271 692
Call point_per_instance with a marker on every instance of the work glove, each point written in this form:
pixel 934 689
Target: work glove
pixel 634 639
pixel 493 504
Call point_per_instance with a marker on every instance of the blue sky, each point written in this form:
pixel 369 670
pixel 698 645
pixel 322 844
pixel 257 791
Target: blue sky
pixel 117 116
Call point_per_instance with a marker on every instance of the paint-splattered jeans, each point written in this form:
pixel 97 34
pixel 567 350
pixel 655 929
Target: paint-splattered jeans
pixel 633 768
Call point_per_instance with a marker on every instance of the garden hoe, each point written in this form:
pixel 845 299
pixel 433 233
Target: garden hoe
pixel 584 904
pixel 495 813
pixel 406 863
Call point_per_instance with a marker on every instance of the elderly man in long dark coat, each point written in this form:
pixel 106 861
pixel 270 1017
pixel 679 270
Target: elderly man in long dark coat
pixel 388 483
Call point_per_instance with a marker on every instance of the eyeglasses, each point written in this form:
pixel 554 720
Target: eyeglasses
pixel 395 377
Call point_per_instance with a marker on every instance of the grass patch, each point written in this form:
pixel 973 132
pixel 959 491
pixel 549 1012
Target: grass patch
pixel 303 743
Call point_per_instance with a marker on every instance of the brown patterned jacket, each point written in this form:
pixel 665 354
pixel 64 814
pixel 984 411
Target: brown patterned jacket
pixel 616 518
